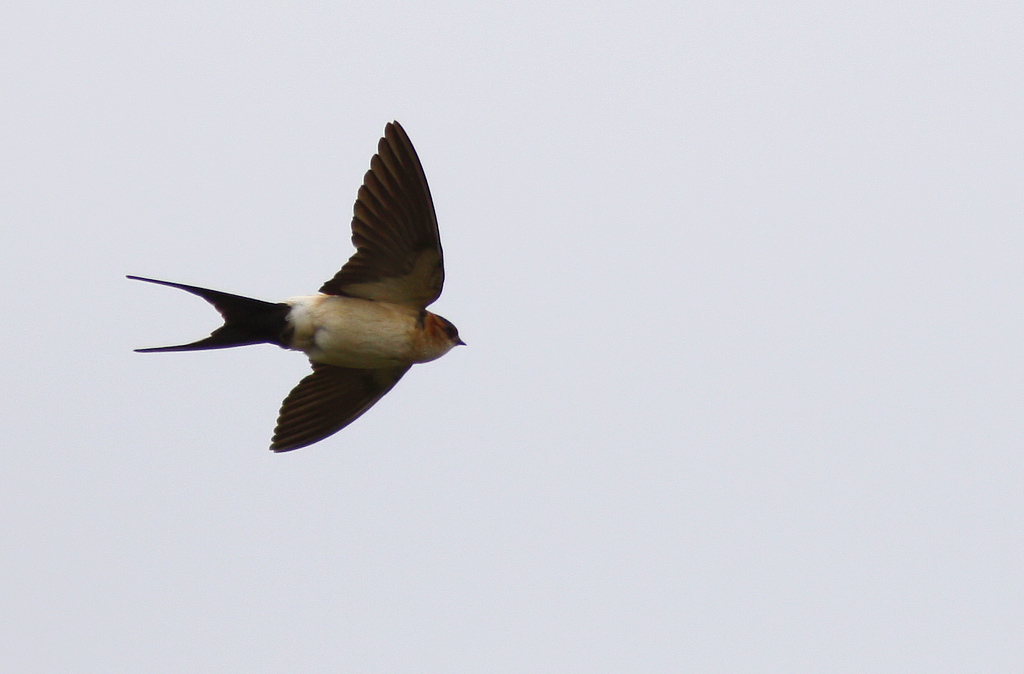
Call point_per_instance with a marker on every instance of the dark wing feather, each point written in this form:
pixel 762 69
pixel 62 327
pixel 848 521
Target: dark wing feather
pixel 327 400
pixel 398 249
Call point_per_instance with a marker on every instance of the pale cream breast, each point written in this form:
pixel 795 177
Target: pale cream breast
pixel 353 332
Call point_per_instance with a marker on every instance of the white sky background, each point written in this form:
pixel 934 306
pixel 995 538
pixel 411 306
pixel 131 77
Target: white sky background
pixel 742 288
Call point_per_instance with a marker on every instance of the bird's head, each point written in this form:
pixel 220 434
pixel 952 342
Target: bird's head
pixel 441 336
pixel 449 330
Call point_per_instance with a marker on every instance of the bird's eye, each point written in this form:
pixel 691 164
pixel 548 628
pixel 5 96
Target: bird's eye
pixel 450 331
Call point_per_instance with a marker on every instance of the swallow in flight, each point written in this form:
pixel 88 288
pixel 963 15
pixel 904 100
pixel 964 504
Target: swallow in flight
pixel 369 324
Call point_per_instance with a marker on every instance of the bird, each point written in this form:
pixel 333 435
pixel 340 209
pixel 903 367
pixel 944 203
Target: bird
pixel 368 324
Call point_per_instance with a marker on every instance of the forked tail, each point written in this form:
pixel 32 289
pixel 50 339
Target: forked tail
pixel 246 321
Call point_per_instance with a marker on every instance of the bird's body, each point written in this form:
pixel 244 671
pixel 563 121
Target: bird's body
pixel 353 332
pixel 369 324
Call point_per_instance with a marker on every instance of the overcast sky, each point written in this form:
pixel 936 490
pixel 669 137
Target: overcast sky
pixel 743 288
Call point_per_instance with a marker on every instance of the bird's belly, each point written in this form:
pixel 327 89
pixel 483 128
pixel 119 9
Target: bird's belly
pixel 357 333
pixel 359 348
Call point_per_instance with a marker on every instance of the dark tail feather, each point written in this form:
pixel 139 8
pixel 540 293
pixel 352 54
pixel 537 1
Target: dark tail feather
pixel 246 321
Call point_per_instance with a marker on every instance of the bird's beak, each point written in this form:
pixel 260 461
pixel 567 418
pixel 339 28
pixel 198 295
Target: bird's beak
pixel 459 342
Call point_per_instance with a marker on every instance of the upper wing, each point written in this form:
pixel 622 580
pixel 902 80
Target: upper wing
pixel 394 229
pixel 327 400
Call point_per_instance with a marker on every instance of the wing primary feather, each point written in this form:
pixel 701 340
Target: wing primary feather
pixel 393 227
pixel 327 400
